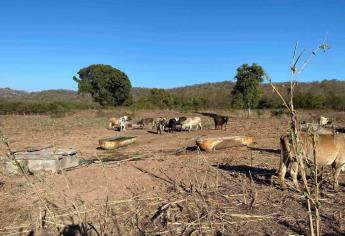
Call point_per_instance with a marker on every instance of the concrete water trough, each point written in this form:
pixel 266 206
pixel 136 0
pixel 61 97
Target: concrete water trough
pixel 210 144
pixel 116 142
pixel 50 159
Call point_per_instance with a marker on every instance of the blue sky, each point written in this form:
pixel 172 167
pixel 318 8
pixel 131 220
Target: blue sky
pixel 165 43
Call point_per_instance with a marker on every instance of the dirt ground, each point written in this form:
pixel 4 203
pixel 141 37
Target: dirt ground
pixel 158 191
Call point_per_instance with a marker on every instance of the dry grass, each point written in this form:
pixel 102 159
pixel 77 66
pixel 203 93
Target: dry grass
pixel 232 191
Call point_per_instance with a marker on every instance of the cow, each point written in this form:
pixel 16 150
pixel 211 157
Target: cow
pixel 159 125
pixel 323 121
pixel 330 150
pixel 316 128
pixel 220 121
pixel 118 123
pixel 190 122
pixel 145 121
pixel 172 125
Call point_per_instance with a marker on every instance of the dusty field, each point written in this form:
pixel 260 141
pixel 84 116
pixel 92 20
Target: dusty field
pixel 231 191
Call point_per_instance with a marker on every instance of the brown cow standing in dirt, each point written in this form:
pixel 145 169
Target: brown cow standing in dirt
pixel 330 150
pixel 145 122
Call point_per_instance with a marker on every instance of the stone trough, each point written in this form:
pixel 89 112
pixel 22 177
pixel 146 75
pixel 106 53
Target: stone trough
pixel 210 144
pixel 50 159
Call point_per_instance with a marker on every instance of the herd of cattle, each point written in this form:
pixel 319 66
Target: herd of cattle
pixel 330 147
pixel 163 124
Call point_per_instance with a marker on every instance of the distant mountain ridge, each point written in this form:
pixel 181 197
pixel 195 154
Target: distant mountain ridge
pixel 45 95
pixel 211 91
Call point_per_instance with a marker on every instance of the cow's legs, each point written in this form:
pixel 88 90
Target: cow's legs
pixel 294 173
pixel 336 176
pixel 282 173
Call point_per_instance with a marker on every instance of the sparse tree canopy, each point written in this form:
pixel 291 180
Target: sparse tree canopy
pixel 106 84
pixel 161 98
pixel 246 92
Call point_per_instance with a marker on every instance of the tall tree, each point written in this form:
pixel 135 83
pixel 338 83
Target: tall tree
pixel 106 84
pixel 246 92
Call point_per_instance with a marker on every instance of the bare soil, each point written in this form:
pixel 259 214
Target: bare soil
pixel 159 191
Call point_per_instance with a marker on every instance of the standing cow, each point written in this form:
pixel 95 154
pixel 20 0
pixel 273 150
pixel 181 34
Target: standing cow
pixel 145 122
pixel 220 121
pixel 190 122
pixel 159 124
pixel 330 150
pixel 118 123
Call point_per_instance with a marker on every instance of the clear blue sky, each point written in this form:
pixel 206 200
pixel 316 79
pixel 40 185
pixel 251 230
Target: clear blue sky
pixel 165 43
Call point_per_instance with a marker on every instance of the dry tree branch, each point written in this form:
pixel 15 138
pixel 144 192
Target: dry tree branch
pixel 295 139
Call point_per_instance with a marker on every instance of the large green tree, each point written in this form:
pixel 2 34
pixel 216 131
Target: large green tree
pixel 246 93
pixel 106 84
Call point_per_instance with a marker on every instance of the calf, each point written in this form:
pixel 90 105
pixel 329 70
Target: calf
pixel 220 121
pixel 330 150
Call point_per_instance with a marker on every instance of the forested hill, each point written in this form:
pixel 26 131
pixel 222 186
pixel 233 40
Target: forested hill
pixel 324 94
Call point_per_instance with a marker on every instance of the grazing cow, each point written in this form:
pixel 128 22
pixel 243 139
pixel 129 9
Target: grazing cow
pixel 220 121
pixel 190 122
pixel 145 121
pixel 323 120
pixel 330 150
pixel 159 125
pixel 118 123
pixel 172 125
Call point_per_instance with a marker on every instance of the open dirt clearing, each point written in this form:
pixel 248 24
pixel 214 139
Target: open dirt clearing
pixel 230 191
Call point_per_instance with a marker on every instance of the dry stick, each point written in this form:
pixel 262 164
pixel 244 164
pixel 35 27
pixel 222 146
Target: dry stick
pixel 296 142
pixel 317 205
pixel 11 156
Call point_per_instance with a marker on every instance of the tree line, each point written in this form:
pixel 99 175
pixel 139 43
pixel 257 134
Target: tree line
pixel 110 87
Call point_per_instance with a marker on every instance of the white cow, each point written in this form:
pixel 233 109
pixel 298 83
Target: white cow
pixel 323 120
pixel 190 122
pixel 118 122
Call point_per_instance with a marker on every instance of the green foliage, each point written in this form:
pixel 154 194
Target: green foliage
pixel 309 100
pixel 107 85
pixel 246 92
pixel 161 98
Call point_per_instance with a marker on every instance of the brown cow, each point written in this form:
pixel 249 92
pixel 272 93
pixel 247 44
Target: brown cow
pixel 330 150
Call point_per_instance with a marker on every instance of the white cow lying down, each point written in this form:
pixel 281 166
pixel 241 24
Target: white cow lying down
pixel 118 122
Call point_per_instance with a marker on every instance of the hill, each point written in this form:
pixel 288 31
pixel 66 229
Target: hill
pixel 7 94
pixel 318 95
